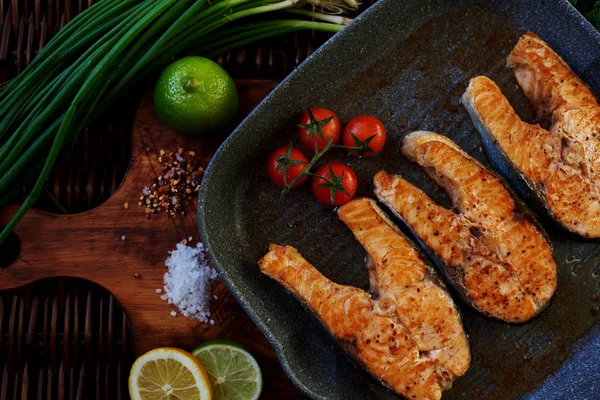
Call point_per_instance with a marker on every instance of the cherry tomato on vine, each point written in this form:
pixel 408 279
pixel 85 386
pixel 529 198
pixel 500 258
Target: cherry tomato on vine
pixel 323 125
pixel 334 184
pixel 285 164
pixel 366 134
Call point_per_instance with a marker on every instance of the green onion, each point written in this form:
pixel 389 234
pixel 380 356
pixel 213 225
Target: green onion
pixel 55 201
pixel 103 53
pixel 260 33
pixel 334 19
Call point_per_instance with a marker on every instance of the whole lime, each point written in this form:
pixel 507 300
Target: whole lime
pixel 196 97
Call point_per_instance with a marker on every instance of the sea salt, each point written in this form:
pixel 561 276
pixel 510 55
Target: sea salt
pixel 123 237
pixel 158 290
pixel 188 281
pixel 173 313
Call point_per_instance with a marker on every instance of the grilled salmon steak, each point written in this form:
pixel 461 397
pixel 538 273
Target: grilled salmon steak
pixel 410 336
pixel 491 250
pixel 558 167
pixel 396 269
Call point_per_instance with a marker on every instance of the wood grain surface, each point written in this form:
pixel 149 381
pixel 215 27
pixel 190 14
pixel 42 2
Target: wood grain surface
pixel 90 246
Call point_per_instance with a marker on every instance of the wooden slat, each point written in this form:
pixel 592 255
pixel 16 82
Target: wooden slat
pixel 15 15
pixel 47 347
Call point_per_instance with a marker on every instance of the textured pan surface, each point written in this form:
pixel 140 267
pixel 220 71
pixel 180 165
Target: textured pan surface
pixel 407 62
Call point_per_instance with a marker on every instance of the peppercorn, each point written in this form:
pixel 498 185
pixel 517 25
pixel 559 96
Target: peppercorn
pixel 169 193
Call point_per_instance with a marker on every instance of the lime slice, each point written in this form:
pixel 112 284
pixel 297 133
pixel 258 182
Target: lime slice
pixel 233 372
pixel 168 373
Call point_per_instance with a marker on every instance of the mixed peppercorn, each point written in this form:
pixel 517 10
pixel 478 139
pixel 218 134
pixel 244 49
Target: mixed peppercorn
pixel 175 191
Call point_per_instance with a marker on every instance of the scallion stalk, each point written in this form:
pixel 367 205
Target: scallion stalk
pixel 105 51
pixel 334 19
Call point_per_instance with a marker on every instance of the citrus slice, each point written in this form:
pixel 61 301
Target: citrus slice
pixel 233 372
pixel 168 373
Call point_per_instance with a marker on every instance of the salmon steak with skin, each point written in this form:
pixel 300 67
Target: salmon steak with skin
pixel 490 249
pixel 559 166
pixel 397 271
pixel 410 335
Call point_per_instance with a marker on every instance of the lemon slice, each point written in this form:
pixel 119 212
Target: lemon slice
pixel 167 373
pixel 233 372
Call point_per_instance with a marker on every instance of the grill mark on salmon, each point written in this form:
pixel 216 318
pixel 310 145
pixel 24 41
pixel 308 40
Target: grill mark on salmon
pixel 411 337
pixel 558 167
pixel 493 253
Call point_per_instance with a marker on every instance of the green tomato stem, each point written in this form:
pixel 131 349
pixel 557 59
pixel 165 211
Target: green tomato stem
pixel 306 170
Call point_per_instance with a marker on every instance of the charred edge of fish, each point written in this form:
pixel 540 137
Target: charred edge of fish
pixel 454 276
pixel 345 348
pixel 430 258
pixel 523 190
pixel 413 240
pixel 432 264
pixel 521 211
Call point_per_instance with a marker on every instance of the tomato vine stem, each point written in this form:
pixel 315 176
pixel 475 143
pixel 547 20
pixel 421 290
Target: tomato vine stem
pixel 307 169
pixel 315 129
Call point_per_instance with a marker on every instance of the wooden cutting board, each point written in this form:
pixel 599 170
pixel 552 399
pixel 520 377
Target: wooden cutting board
pixel 90 246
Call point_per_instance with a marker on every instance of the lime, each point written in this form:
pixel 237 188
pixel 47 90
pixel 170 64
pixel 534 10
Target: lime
pixel 168 373
pixel 195 96
pixel 233 372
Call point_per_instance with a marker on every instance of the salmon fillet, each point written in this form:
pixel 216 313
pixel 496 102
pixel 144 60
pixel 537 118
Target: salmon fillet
pixel 560 166
pixel 491 251
pixel 396 269
pixel 410 337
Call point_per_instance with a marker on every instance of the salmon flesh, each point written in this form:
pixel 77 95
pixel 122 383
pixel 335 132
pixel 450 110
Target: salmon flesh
pixel 490 248
pixel 410 335
pixel 558 167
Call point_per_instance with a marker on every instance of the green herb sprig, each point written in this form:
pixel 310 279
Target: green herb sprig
pixel 101 54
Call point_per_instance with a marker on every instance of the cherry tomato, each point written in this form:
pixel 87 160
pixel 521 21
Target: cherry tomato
pixel 339 185
pixel 285 164
pixel 366 133
pixel 311 128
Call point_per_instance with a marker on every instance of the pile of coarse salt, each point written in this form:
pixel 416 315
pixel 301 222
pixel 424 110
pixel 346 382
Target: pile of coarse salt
pixel 188 282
